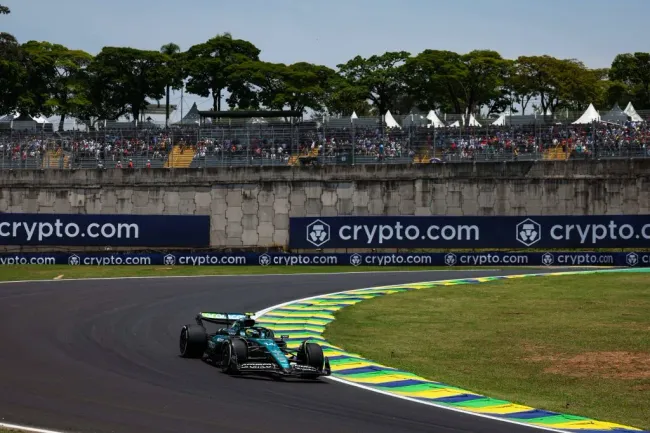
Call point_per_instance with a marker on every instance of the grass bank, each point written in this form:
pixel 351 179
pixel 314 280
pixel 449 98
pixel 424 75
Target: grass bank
pixel 66 272
pixel 572 344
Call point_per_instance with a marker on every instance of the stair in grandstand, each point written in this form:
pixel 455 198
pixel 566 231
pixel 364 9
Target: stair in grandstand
pixel 56 159
pixel 424 158
pixel 295 158
pixel 180 158
pixel 556 154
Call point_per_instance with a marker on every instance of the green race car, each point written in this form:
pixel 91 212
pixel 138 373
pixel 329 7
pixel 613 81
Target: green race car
pixel 241 347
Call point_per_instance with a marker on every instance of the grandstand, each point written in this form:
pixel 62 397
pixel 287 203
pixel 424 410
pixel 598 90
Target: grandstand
pixel 214 139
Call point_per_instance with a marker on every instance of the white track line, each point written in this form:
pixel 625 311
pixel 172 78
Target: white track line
pixel 401 397
pixel 25 428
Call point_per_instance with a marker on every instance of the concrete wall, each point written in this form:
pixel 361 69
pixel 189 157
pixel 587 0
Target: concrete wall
pixel 251 206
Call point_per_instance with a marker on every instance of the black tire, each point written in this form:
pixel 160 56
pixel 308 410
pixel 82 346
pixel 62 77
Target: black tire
pixel 311 354
pixel 235 347
pixel 193 341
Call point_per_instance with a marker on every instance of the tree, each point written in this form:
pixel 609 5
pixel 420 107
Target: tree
pixel 129 77
pixel 559 83
pixel 211 68
pixel 279 86
pixel 12 71
pixel 458 83
pixel 381 77
pixel 175 72
pixel 60 71
pixel 483 81
pixel 343 98
pixel 633 70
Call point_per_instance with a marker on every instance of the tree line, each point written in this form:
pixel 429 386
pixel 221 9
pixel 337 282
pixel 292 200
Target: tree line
pixel 42 78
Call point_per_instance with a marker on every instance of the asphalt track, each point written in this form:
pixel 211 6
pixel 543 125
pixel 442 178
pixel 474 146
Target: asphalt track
pixel 102 356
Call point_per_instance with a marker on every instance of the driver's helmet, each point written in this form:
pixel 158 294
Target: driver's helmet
pixel 252 333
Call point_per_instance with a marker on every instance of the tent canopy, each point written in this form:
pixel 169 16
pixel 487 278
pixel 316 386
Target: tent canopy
pixel 630 111
pixel 472 121
pixel 192 117
pixel 615 115
pixel 435 120
pixel 390 121
pixel 414 119
pixel 501 121
pixel 589 116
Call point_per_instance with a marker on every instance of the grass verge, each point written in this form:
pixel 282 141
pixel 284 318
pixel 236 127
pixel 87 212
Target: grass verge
pixel 48 272
pixel 572 344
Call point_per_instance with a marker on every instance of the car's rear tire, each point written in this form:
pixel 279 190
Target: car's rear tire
pixel 311 354
pixel 237 349
pixel 193 341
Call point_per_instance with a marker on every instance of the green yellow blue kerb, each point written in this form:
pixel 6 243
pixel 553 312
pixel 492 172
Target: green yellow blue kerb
pixel 306 319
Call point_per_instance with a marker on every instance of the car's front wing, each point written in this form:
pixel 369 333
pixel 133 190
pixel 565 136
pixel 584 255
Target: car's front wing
pixel 296 370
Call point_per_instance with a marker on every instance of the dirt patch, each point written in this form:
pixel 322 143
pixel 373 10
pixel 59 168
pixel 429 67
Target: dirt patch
pixel 607 365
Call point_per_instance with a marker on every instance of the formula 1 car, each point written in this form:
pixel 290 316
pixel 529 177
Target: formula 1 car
pixel 241 347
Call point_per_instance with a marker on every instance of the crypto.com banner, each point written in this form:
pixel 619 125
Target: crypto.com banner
pixel 539 232
pixel 105 230
pixel 562 259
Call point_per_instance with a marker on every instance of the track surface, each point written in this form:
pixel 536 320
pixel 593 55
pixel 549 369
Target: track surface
pixel 102 356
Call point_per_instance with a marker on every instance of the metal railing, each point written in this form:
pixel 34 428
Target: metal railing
pixel 326 141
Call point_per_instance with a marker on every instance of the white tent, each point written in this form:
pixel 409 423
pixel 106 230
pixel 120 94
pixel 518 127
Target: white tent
pixel 354 115
pixel 472 121
pixel 501 121
pixel 630 111
pixel 456 124
pixel 390 121
pixel 435 120
pixel 589 116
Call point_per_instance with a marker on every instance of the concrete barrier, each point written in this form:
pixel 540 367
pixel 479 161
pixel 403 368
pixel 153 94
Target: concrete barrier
pixel 251 206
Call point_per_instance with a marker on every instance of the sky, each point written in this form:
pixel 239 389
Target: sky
pixel 334 31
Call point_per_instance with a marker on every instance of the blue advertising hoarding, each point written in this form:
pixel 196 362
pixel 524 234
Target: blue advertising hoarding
pixel 545 232
pixel 105 230
pixel 451 259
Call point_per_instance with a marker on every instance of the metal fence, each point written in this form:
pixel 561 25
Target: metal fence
pixel 326 141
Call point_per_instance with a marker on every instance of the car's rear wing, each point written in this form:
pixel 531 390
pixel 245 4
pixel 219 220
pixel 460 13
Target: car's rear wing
pixel 221 318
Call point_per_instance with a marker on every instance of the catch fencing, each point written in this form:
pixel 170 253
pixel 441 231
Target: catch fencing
pixel 325 141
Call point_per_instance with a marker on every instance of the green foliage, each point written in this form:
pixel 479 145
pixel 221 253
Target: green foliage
pixel 212 69
pixel 279 86
pixel 633 72
pixel 44 78
pixel 380 77
pixel 130 76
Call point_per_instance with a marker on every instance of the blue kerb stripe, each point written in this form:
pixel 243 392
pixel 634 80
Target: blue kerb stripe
pixel 530 414
pixel 400 383
pixel 360 370
pixel 456 398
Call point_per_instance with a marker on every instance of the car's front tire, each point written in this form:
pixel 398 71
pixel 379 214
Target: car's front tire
pixel 236 349
pixel 193 341
pixel 311 354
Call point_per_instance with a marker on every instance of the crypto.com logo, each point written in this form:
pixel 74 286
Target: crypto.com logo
pixel 318 233
pixel 169 260
pixel 529 232
pixel 74 260
pixel 548 259
pixel 632 259
pixel 450 259
pixel 355 259
pixel 265 260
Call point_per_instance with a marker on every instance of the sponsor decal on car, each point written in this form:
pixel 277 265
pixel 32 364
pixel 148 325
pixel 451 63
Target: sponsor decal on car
pixel 304 367
pixel 257 366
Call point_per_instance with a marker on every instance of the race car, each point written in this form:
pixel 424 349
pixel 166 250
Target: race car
pixel 241 347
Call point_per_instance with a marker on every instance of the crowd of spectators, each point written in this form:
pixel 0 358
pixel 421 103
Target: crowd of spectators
pixel 278 142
